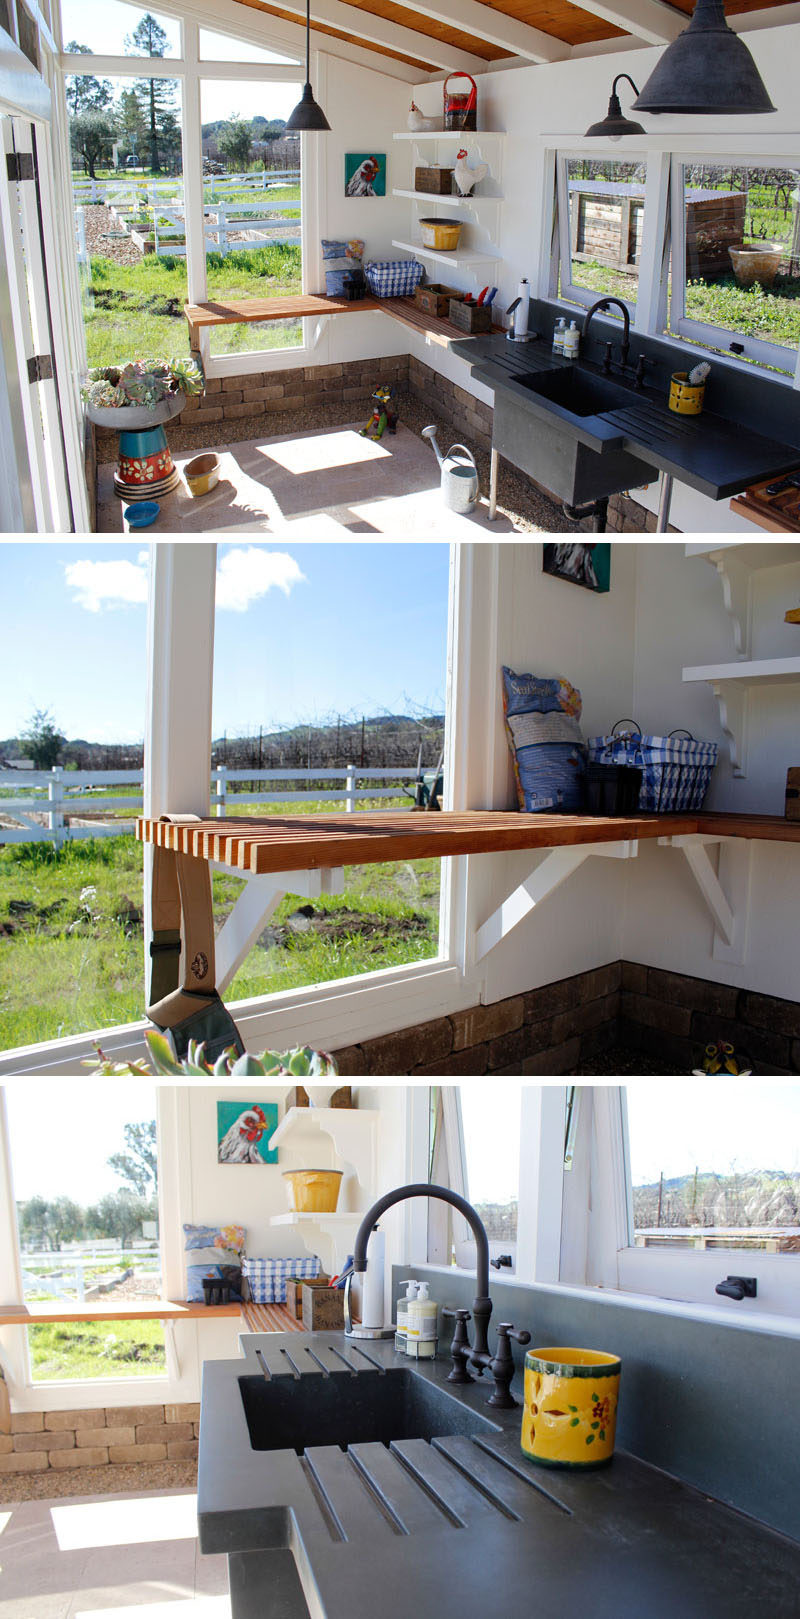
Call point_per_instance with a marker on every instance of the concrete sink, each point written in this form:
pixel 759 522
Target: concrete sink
pixel 343 1410
pixel 579 393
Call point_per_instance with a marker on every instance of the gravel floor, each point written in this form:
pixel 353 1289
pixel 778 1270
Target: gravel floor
pixel 109 1480
pixel 98 223
pixel 621 1060
pixel 528 509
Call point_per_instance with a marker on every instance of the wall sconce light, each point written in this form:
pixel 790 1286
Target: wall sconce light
pixel 614 126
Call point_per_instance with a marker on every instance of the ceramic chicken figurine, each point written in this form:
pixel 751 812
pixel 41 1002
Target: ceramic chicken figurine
pixel 466 177
pixel 417 122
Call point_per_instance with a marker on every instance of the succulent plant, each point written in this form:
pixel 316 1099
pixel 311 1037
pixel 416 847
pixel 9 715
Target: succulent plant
pixel 300 1063
pixel 142 382
pixel 104 395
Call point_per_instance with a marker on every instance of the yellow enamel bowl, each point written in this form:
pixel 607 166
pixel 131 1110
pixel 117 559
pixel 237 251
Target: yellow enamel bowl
pixel 202 474
pixel 443 234
pixel 570 1409
pixel 313 1191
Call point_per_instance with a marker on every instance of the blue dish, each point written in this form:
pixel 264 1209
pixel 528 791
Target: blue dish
pixel 142 513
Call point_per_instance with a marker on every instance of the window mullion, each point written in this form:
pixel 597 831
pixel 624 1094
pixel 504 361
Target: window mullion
pixel 652 291
pixel 192 134
pixel 542 1183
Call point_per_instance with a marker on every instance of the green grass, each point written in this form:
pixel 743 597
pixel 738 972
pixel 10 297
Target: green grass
pixel 136 310
pixel 68 966
pixel 75 1350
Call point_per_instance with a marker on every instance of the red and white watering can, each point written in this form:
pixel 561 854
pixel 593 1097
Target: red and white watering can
pixel 460 106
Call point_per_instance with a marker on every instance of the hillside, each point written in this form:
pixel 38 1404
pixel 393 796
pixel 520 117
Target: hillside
pixel 752 1198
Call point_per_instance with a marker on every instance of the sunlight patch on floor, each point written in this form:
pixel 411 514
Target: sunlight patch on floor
pixel 195 1608
pixel 5 1517
pixel 323 451
pixel 125 1523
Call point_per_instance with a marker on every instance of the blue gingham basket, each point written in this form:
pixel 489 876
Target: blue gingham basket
pixel 393 278
pixel 268 1278
pixel 676 770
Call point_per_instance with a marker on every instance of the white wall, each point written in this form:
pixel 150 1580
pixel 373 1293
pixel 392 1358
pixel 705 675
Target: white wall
pixel 539 105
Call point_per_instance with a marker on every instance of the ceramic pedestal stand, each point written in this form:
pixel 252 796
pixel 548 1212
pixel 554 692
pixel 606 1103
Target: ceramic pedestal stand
pixel 145 469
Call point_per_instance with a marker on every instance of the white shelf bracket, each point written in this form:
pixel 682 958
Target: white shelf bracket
pixel 726 892
pixel 734 717
pixel 257 902
pixel 550 873
pixel 737 595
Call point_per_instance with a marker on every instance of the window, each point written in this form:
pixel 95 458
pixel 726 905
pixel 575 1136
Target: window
pixel 88 1228
pixel 602 205
pixel 736 258
pixel 475 1151
pixel 112 28
pixel 713 1174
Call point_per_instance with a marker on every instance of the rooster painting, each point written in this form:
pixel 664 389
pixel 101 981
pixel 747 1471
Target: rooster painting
pixel 244 1130
pixel 367 179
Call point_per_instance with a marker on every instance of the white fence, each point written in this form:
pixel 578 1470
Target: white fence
pixel 63 1274
pixel 127 188
pixel 224 220
pixel 57 801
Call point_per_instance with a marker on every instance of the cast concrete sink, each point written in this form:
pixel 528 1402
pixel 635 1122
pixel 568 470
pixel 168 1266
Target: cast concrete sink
pixel 293 1414
pixel 577 392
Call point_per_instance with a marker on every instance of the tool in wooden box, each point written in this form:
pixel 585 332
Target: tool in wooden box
pixel 184 1002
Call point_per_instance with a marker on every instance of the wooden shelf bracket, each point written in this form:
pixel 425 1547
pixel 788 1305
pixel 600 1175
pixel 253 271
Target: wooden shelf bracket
pixel 725 891
pixel 257 902
pixel 546 877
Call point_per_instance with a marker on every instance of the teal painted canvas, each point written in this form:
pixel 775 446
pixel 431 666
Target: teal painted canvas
pixel 584 564
pixel 243 1132
pixel 365 174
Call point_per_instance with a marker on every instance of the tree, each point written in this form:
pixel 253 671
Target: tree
pixel 131 122
pixel 92 137
pixel 84 91
pixel 139 1165
pixel 43 739
pixel 47 1225
pixel 156 96
pixel 235 141
pixel 121 1214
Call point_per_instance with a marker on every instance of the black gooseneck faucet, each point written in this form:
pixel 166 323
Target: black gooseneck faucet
pixel 482 1306
pixel 597 308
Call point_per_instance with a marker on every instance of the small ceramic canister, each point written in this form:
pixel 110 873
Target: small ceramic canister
pixel 570 1412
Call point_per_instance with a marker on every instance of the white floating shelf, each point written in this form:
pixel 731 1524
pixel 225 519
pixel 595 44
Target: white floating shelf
pixel 324 1221
pixel 452 201
pixel 736 561
pixel 732 684
pixel 463 136
pixel 456 255
pixel 348 1127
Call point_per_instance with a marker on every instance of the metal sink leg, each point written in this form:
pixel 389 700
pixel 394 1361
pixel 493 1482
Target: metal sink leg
pixel 664 503
pixel 493 470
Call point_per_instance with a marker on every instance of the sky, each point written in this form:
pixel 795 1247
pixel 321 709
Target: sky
pixel 303 632
pixel 55 1161
pixel 104 24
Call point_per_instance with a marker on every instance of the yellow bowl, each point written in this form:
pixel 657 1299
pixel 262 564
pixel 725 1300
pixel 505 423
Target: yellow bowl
pixel 202 474
pixel 313 1191
pixel 570 1407
pixel 440 233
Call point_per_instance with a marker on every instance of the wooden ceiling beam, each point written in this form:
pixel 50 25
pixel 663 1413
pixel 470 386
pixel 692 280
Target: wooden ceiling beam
pixel 380 32
pixel 649 20
pixel 517 38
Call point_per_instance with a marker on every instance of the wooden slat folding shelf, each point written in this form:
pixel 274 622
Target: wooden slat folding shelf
pixel 247 311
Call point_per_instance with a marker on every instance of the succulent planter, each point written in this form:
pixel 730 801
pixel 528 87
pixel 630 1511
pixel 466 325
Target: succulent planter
pixel 136 418
pixel 752 264
pixel 145 469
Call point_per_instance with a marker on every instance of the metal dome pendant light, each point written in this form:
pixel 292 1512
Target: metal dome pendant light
pixel 614 125
pixel 307 115
pixel 707 69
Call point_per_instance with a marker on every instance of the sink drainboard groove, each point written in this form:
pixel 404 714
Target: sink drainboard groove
pixel 264 1367
pixel 521 1473
pixel 376 1493
pixel 323 1368
pixel 296 1373
pixel 332 1521
pixel 479 1482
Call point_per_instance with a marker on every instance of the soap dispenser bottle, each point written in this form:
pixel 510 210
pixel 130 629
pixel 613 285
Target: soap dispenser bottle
pixel 572 340
pixel 412 1289
pixel 421 1336
pixel 559 334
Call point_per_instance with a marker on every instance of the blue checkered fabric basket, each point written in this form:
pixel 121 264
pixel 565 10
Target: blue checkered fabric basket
pixel 393 278
pixel 676 770
pixel 268 1278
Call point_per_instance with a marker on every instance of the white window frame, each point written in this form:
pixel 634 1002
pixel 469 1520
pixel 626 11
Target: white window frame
pixel 188 68
pixel 663 227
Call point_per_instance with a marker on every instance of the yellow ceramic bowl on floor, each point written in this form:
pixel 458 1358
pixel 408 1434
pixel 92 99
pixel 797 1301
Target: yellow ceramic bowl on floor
pixel 202 474
pixel 570 1413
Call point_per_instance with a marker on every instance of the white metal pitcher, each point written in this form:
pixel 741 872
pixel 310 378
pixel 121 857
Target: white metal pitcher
pixel 460 487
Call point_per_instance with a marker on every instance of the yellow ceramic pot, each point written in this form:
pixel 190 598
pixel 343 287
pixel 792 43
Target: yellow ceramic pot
pixel 202 474
pixel 685 398
pixel 313 1191
pixel 570 1413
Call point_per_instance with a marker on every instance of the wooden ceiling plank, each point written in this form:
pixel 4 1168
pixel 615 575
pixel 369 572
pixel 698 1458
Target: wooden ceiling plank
pixel 518 38
pixel 377 31
pixel 650 20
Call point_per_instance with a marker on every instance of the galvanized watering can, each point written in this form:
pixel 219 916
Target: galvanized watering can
pixel 460 486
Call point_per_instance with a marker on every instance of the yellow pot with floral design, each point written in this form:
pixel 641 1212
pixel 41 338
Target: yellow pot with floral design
pixel 570 1413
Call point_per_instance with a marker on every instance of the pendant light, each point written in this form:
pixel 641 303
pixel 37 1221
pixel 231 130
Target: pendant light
pixel 307 115
pixel 614 126
pixel 707 69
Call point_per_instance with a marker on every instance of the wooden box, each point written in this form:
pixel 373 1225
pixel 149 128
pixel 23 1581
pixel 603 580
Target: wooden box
pixel 437 180
pixel 435 299
pixel 793 793
pixel 294 1293
pixel 323 1308
pixel 470 317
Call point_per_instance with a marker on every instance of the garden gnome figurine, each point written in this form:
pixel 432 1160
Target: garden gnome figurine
pixel 383 418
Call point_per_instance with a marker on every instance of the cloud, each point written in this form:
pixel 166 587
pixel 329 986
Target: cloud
pixel 245 574
pixel 107 584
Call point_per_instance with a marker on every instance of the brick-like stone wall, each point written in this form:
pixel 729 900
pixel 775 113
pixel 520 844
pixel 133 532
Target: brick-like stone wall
pixel 673 1016
pixel 38 1441
pixel 550 1030
pixel 458 407
pixel 560 1027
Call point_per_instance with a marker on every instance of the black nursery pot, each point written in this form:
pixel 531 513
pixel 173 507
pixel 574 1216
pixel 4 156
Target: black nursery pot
pixel 612 789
